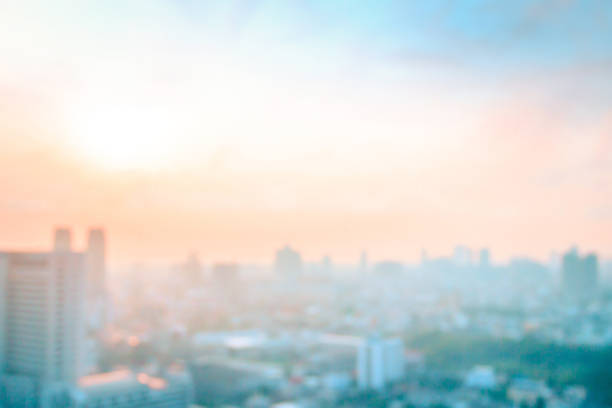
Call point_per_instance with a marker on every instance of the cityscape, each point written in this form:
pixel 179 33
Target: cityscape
pixel 305 204
pixel 455 331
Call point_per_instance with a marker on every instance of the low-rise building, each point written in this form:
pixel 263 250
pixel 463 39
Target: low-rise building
pixel 126 389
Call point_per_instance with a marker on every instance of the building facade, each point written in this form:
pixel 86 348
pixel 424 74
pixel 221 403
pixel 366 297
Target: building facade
pixel 379 362
pixel 42 334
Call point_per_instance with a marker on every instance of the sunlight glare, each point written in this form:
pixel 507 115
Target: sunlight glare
pixel 123 137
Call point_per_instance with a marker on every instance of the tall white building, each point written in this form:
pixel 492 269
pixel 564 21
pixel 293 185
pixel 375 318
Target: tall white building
pixel 42 318
pixel 379 362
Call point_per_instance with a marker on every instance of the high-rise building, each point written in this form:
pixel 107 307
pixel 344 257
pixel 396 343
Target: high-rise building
pixel 43 314
pixel 379 362
pixel 326 265
pixel 485 258
pixel 389 268
pixel 42 333
pixel 62 240
pixel 96 263
pixel 462 256
pixel 363 262
pixel 424 258
pixel 191 270
pixel 42 330
pixel 579 274
pixel 288 261
pixel 225 272
pixel 554 264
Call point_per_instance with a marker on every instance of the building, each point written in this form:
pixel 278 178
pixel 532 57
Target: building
pixel 96 262
pixel 424 258
pixel 62 240
pixel 288 262
pixel 225 272
pixel 526 392
pixel 363 262
pixel 230 381
pixel 389 268
pixel 125 389
pixel 95 255
pixel 481 377
pixel 333 353
pixel 379 362
pixel 462 256
pixel 42 320
pixel 579 274
pixel 191 270
pixel 485 259
pixel 374 361
pixel 327 266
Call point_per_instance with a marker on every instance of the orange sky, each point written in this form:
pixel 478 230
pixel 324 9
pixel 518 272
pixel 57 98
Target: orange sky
pixel 183 146
pixel 523 194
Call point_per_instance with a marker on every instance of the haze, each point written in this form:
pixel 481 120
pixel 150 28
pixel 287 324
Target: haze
pixel 234 128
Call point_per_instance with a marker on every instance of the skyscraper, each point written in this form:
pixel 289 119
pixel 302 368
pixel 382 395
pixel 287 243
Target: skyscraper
pixel 191 270
pixel 42 317
pixel 225 272
pixel 424 258
pixel 579 273
pixel 96 262
pixel 363 262
pixel 288 261
pixel 485 258
pixel 326 265
pixel 462 256
pixel 62 240
pixel 379 361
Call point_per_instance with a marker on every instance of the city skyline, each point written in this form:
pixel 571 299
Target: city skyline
pixel 233 130
pixel 62 238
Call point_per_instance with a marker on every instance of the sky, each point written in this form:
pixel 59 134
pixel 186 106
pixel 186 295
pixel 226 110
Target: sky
pixel 233 128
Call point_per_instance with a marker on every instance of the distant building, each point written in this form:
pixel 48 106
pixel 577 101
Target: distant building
pixel 379 362
pixel 424 258
pixel 462 256
pixel 554 263
pixel 125 389
pixel 229 381
pixel 529 269
pixel 526 392
pixel 481 377
pixel 485 259
pixel 191 269
pixel 363 262
pixel 389 267
pixel 96 262
pixel 62 240
pixel 288 262
pixel 326 265
pixel 41 319
pixel 374 361
pixel 225 272
pixel 336 353
pixel 97 300
pixel 579 274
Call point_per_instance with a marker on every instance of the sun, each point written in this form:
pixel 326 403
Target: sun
pixel 122 137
